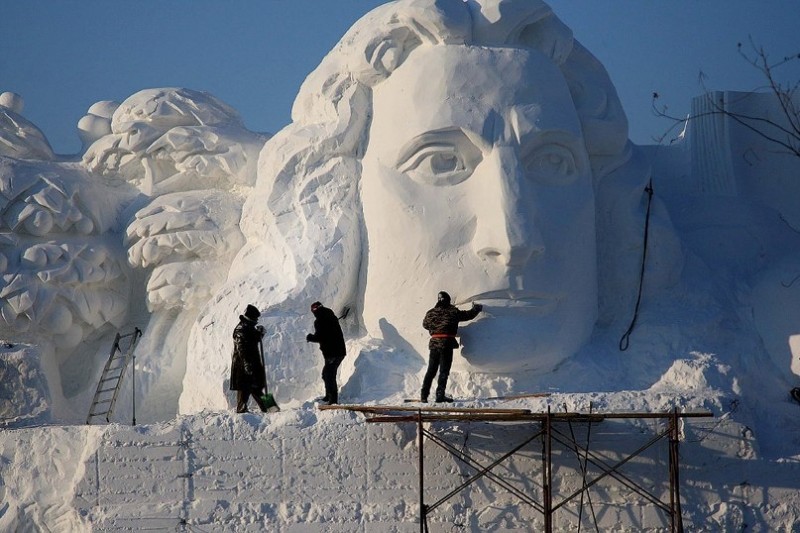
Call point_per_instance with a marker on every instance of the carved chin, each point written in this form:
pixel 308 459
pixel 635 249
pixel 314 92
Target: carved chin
pixel 522 345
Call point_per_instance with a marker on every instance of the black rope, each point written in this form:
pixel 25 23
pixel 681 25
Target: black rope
pixel 624 342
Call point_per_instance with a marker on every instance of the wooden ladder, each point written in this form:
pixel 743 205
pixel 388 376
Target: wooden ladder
pixel 108 387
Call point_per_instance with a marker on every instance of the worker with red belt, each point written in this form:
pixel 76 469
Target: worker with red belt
pixel 442 323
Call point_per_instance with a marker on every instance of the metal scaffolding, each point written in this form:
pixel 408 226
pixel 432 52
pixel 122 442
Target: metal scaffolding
pixel 549 430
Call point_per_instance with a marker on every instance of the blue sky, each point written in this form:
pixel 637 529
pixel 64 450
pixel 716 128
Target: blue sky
pixel 63 56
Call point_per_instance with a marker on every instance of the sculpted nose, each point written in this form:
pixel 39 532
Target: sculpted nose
pixel 505 232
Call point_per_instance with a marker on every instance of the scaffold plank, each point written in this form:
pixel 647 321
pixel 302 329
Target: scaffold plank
pixel 405 408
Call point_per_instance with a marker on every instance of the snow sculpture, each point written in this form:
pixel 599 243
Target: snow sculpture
pixel 56 272
pixel 187 152
pixel 19 137
pixel 442 145
pixel 162 181
pixel 740 213
pixel 65 282
pixel 503 157
pixel 192 158
pixel 173 140
pixel 96 123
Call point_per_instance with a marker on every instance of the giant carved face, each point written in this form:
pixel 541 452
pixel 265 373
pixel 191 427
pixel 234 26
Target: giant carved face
pixel 476 181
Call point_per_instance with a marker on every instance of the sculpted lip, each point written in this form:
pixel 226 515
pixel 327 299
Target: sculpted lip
pixel 520 300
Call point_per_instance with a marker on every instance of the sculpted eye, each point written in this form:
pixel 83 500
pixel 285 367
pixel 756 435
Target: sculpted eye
pixel 553 163
pixel 436 165
pixel 445 158
pixel 442 163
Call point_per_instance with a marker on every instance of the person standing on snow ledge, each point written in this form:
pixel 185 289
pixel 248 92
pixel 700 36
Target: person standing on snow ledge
pixel 442 323
pixel 247 369
pixel 328 334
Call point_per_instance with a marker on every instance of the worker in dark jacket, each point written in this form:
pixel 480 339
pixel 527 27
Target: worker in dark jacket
pixel 442 323
pixel 247 368
pixel 328 333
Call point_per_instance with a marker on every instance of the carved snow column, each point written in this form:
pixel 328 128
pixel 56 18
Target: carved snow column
pixel 712 167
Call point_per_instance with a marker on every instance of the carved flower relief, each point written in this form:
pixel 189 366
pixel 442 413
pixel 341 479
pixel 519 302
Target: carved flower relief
pixel 184 149
pixel 169 107
pixel 61 279
pixel 47 205
pixel 206 157
pixel 169 140
pixel 64 291
pixel 117 156
pixel 6 243
pixel 21 139
pixel 189 238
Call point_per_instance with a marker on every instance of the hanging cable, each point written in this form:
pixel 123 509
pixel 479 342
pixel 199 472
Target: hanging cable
pixel 624 342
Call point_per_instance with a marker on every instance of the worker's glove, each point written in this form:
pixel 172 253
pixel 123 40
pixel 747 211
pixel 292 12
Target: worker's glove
pixel 309 337
pixel 248 369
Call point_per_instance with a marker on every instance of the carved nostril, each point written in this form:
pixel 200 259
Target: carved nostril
pixel 516 256
pixel 490 254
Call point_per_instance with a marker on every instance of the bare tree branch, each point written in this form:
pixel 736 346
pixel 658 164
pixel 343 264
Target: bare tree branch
pixel 785 137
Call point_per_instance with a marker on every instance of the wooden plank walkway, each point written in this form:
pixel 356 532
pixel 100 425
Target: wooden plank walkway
pixel 423 409
pixel 406 413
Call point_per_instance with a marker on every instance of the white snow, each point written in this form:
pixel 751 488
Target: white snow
pixel 516 189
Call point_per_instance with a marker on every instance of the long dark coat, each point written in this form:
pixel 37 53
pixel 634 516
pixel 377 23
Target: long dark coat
pixel 247 370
